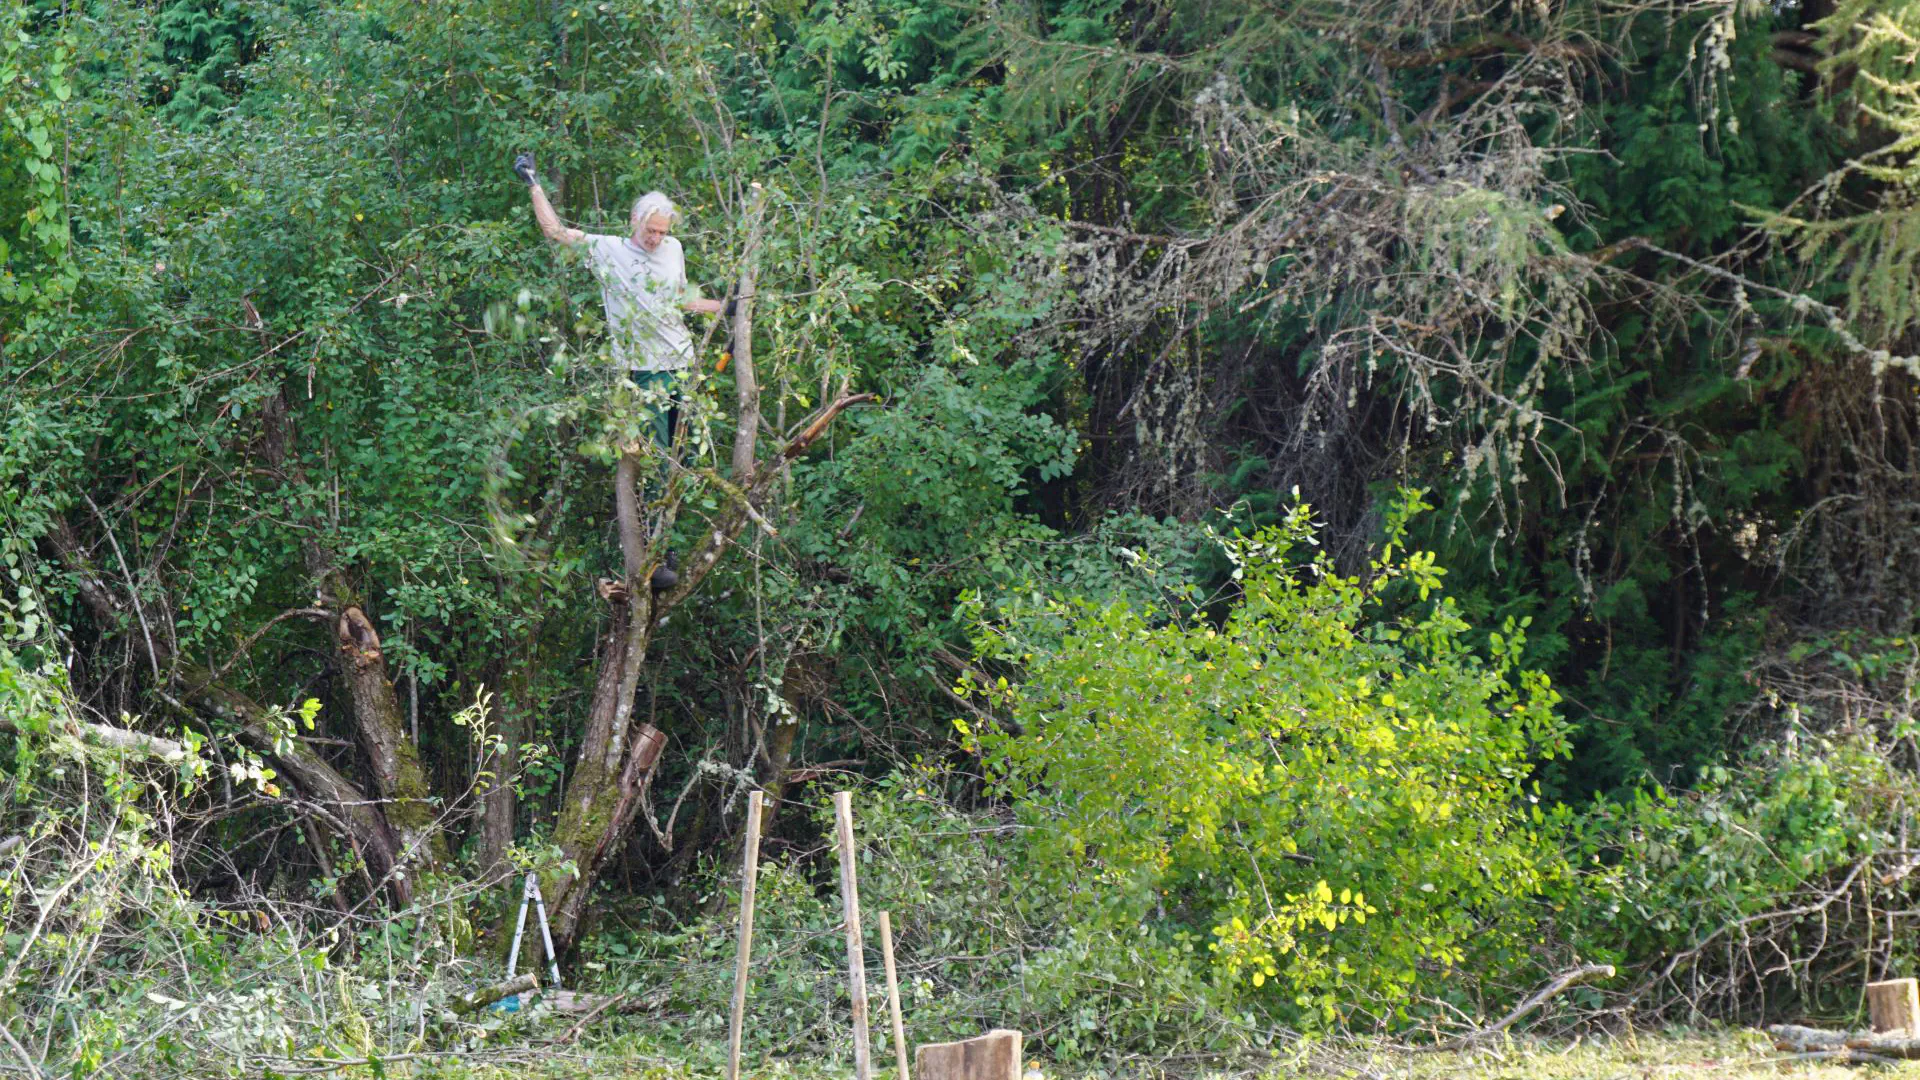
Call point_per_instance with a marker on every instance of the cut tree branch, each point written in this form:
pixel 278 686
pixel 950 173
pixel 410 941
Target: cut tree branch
pixel 1539 997
pixel 482 996
pixel 107 737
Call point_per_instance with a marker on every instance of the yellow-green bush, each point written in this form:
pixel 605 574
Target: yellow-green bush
pixel 1321 799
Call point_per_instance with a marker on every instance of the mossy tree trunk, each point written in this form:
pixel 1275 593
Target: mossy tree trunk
pixel 379 721
pixel 394 761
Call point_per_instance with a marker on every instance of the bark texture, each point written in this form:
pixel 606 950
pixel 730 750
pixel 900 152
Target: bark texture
pixel 498 806
pixel 381 724
pixel 616 756
pixel 616 753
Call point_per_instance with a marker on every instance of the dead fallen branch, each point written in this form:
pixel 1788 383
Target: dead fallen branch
pixel 1841 1057
pixel 1554 986
pixel 580 1025
pixel 314 1066
pixel 1886 1046
pixel 1821 1044
pixel 1797 1039
pixel 107 737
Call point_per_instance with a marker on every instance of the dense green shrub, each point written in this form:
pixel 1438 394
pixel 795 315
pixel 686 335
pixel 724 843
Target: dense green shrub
pixel 1321 800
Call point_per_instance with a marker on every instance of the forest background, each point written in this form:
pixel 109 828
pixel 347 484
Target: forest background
pixel 1292 517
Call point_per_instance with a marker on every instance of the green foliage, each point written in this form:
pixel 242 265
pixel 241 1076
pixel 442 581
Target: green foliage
pixel 1322 797
pixel 204 44
pixel 223 223
pixel 1864 217
pixel 977 939
pixel 1643 542
pixel 1777 854
pixel 120 968
pixel 37 80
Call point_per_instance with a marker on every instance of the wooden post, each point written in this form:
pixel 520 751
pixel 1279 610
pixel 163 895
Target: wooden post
pixel 893 994
pixel 993 1056
pixel 749 877
pixel 1894 1005
pixel 850 910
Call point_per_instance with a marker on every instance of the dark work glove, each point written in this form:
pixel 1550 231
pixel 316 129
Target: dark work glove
pixel 523 168
pixel 733 306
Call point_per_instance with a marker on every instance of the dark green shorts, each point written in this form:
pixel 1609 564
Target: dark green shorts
pixel 665 415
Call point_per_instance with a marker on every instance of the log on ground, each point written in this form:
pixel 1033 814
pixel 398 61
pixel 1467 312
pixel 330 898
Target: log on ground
pixel 481 997
pixel 1886 1046
pixel 1797 1039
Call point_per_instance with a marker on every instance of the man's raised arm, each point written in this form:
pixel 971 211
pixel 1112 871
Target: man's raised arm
pixel 543 209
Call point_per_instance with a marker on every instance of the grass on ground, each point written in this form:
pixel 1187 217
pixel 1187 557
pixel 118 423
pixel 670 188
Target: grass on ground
pixel 1730 1055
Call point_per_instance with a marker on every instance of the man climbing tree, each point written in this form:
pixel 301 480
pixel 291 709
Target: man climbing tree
pixel 643 283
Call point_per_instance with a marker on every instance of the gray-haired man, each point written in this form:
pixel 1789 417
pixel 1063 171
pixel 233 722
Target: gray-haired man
pixel 643 283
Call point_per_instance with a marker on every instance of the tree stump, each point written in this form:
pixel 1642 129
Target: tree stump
pixel 1894 1005
pixel 993 1056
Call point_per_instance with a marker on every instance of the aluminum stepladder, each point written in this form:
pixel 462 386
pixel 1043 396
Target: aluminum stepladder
pixel 530 892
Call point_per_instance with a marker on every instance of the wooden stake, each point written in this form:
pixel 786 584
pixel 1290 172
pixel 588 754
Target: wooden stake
pixel 749 877
pixel 850 910
pixel 893 994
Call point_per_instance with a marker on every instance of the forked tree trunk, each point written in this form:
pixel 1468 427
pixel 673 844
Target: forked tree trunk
pixel 618 752
pixel 616 755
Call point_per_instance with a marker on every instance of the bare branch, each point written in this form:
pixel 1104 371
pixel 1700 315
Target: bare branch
pixel 1553 988
pixel 746 379
pixel 248 642
pixel 108 737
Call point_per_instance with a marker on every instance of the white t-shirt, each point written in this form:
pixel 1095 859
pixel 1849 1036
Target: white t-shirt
pixel 644 291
